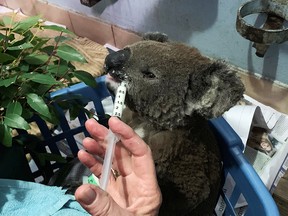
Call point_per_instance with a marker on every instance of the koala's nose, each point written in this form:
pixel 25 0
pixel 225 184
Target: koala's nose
pixel 116 60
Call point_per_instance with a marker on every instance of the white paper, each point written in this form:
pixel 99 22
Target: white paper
pixel 247 120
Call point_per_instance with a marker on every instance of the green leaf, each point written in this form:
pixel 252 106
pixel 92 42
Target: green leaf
pixel 8 82
pixel 54 118
pixel 5 135
pixel 26 24
pixel 28 34
pixel 6 57
pixel 61 39
pixel 68 53
pixel 42 88
pixel 75 111
pixel 57 28
pixel 16 54
pixel 88 113
pixel 24 67
pixel 36 59
pixel 40 78
pixel 85 77
pixel 11 37
pixel 10 92
pixel 26 87
pixel 2 36
pixel 57 70
pixel 16 121
pixel 6 101
pixel 21 47
pixel 27 114
pixel 40 44
pixel 66 101
pixel 48 49
pixel 14 107
pixel 38 104
pixel 7 20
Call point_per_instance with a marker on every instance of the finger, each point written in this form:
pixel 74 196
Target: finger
pixel 91 162
pixel 93 147
pixel 95 166
pixel 141 161
pixel 96 130
pixel 122 160
pixel 97 202
pixel 129 138
pixel 97 146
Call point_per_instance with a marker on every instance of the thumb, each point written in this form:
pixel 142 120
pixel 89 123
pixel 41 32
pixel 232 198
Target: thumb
pixel 97 202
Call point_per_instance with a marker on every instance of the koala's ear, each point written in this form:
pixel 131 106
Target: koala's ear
pixel 213 91
pixel 156 36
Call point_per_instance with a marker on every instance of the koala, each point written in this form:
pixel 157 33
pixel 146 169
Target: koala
pixel 172 92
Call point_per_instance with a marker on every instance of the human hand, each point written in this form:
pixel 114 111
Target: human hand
pixel 135 191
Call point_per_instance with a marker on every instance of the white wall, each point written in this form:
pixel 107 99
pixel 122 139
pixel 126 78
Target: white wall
pixel 208 25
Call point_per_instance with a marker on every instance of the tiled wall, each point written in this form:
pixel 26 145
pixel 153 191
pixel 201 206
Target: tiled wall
pixel 208 25
pixel 83 26
pixel 101 32
pixel 266 92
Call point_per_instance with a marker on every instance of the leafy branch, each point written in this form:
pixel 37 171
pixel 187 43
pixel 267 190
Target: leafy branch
pixel 31 67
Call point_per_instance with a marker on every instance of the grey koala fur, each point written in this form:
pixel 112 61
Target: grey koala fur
pixel 172 90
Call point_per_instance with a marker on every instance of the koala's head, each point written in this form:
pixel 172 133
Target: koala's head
pixel 170 83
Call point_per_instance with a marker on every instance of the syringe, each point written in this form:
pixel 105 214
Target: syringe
pixel 111 139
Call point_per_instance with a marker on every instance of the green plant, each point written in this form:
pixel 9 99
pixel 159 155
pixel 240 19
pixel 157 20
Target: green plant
pixel 31 66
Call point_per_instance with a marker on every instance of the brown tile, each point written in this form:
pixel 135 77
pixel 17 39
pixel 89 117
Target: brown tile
pixel 3 3
pixel 53 13
pixel 27 7
pixel 266 92
pixel 49 12
pixel 92 28
pixel 124 37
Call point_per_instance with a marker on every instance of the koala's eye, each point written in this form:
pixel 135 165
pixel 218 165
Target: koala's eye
pixel 148 74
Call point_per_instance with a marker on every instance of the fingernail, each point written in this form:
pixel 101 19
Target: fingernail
pixel 89 196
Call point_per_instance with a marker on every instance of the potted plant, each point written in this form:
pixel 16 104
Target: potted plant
pixel 31 66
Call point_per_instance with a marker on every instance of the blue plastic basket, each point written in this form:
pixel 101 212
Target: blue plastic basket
pixel 67 133
pixel 245 181
pixel 241 176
